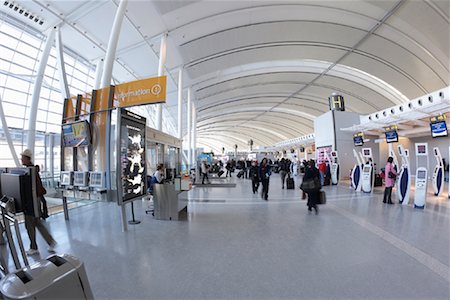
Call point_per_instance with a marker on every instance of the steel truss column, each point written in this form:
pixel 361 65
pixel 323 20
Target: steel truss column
pixel 112 44
pixel 180 103
pixel 31 138
pixel 189 126
pixel 61 66
pixel 98 74
pixel 8 135
pixel 162 62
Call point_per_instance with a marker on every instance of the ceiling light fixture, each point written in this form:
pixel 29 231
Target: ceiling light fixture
pixel 24 12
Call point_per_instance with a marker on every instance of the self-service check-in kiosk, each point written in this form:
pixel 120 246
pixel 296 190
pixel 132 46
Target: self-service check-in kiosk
pixel 332 158
pixel 421 184
pixel 438 173
pixel 356 172
pixel 404 177
pixel 367 171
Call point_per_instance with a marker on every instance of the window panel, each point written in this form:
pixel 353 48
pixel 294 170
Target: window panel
pixel 15 69
pixel 8 41
pixel 5 53
pixel 31 40
pixel 28 50
pixel 14 96
pixel 14 122
pixel 55 107
pixel 17 84
pixel 12 109
pixel 40 126
pixel 23 60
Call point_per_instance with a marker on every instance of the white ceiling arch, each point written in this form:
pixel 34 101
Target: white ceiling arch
pixel 259 66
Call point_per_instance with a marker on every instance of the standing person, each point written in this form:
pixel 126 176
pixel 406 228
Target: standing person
pixel 322 172
pixel 264 176
pixel 205 170
pixel 390 175
pixel 254 176
pixel 31 221
pixel 159 174
pixel 311 173
pixel 44 209
pixel 283 171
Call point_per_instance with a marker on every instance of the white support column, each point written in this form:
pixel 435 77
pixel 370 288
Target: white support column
pixel 112 44
pixel 37 91
pixel 180 103
pixel 98 74
pixel 194 133
pixel 61 66
pixel 7 135
pixel 162 62
pixel 189 127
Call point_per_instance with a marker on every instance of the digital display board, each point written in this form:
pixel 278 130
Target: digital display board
pixel 76 134
pixel 391 136
pixel 439 129
pixel 132 166
pixel 358 140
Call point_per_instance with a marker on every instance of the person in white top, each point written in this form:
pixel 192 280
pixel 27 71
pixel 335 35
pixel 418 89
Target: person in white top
pixel 159 174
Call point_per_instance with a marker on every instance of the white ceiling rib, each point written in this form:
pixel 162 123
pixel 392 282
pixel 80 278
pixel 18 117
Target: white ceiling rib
pixel 264 69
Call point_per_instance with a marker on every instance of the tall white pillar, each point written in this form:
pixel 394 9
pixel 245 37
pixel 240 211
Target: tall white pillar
pixel 189 126
pixel 7 135
pixel 180 104
pixel 194 133
pixel 63 85
pixel 112 44
pixel 162 62
pixel 98 74
pixel 37 91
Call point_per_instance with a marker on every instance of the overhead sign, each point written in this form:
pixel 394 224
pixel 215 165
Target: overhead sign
pixel 139 92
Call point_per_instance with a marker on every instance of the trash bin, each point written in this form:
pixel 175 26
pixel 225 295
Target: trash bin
pixel 57 277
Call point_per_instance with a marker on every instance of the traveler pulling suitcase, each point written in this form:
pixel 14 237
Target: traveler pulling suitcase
pixel 290 183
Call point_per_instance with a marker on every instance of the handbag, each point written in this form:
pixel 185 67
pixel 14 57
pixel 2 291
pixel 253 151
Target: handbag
pixel 391 175
pixel 311 185
pixel 322 198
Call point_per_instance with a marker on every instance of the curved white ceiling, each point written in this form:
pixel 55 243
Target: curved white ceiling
pixel 263 70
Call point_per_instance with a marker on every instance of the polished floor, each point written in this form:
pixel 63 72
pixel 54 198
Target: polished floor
pixel 234 245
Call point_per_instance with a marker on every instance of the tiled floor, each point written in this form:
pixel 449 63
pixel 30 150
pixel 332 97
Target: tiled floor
pixel 237 246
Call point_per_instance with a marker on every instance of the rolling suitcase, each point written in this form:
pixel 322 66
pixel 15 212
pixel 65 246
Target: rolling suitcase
pixel 290 183
pixel 322 198
pixel 220 173
pixel 240 174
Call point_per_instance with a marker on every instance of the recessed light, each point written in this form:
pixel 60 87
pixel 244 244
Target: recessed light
pixel 26 14
pixel 16 8
pixel 5 3
pixel 41 22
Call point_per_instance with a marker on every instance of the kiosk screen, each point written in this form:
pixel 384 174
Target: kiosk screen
pixel 421 174
pixel 366 169
pixel 421 149
pixel 366 152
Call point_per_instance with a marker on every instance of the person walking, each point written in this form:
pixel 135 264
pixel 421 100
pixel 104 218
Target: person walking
pixel 228 167
pixel 283 171
pixel 264 176
pixel 254 176
pixel 390 175
pixel 312 173
pixel 205 170
pixel 31 221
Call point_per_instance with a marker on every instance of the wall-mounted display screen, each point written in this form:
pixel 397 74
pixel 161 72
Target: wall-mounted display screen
pixel 438 129
pixel 391 136
pixel 358 140
pixel 76 134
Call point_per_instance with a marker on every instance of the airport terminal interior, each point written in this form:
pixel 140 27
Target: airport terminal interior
pixel 224 149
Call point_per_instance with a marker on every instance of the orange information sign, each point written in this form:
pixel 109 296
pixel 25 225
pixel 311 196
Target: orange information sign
pixel 145 91
pixel 69 114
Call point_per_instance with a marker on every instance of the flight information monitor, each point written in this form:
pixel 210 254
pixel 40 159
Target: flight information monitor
pixel 439 129
pixel 391 136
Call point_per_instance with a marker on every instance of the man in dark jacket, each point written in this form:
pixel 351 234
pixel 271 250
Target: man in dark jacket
pixel 264 176
pixel 312 173
pixel 31 221
pixel 254 176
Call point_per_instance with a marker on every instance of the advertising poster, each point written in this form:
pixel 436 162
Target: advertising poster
pixel 132 156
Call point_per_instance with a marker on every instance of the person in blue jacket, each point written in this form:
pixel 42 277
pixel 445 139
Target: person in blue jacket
pixel 264 176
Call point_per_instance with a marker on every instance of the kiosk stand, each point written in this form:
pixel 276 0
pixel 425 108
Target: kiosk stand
pixel 449 173
pixel 368 177
pixel 421 184
pixel 356 172
pixel 438 173
pixel 404 177
pixel 334 167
